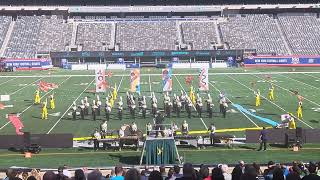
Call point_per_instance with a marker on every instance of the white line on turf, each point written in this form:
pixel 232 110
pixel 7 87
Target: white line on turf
pixel 26 86
pixel 311 76
pixel 299 81
pixel 192 104
pixel 269 100
pixel 8 80
pixel 69 108
pixel 233 103
pixel 150 89
pixel 32 104
pixel 179 74
pixel 290 91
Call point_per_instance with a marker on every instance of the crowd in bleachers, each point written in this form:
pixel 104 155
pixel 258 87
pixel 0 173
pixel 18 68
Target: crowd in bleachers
pixel 241 171
pixel 268 34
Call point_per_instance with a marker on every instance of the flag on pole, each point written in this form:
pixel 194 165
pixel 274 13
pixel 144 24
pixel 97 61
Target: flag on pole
pixel 135 80
pixel 16 122
pixel 45 86
pixel 114 93
pixel 192 95
pixel 203 79
pixel 167 79
pixel 101 84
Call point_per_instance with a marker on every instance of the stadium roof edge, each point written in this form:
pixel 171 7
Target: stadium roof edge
pixel 191 8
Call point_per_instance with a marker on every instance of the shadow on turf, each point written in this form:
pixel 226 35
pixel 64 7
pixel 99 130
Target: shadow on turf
pixel 314 121
pixel 125 159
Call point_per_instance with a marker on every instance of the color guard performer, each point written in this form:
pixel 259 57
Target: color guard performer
pixel 52 103
pixel 258 98
pixel 185 128
pixel 120 108
pixel 199 105
pixel 37 97
pixel 271 92
pixel 44 109
pixel 292 123
pixel 74 110
pixel 299 110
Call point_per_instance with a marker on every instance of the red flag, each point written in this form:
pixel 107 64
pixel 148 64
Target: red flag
pixel 109 74
pixel 44 86
pixel 1 106
pixel 17 124
pixel 189 79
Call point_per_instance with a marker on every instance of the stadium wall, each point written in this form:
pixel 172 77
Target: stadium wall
pixel 286 61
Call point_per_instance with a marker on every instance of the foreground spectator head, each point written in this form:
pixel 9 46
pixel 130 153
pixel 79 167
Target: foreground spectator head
pixel 79 175
pixel 312 167
pixel 31 178
pixel 11 173
pixel 241 163
pixel 94 175
pixel 249 173
pixel 278 174
pixel 257 168
pixel 49 175
pixel 132 174
pixel 162 170
pixel 155 175
pixel 170 173
pixel 293 176
pixel 25 175
pixel 118 170
pixel 236 172
pixel 176 169
pixel 188 170
pixel 217 174
pixel 204 172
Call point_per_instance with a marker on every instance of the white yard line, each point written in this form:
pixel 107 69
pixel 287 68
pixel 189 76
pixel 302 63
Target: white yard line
pixel 8 80
pixel 150 88
pixel 269 101
pixel 233 103
pixel 299 81
pixel 312 76
pixel 120 83
pixel 179 74
pixel 192 104
pixel 26 86
pixel 69 107
pixel 290 91
pixel 32 104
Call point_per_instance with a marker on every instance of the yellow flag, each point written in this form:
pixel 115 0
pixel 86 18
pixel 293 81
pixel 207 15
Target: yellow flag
pixel 115 94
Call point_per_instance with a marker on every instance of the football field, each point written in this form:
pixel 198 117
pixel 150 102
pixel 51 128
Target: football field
pixel 237 84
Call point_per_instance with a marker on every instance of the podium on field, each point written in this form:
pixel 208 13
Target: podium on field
pixel 159 150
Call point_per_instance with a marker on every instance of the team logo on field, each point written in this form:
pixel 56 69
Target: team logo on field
pixel 295 60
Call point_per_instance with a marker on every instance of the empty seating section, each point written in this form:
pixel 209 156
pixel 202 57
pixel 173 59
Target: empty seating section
pixel 302 33
pixel 200 34
pixel 146 35
pixel 93 36
pixel 54 35
pixel 253 32
pixel 24 38
pixel 4 26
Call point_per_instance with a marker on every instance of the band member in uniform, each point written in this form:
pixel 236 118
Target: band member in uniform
pixel 132 106
pixel 45 109
pixel 258 98
pixel 94 108
pixel 52 103
pixel 212 131
pixel 74 111
pixel 174 103
pixel 82 109
pixel 183 99
pixel 128 100
pixel 174 129
pixel 140 99
pixel 221 101
pixel 96 138
pixel 167 104
pixel 86 106
pixel 199 105
pixel 107 109
pixel 104 129
pixel 185 128
pixel 299 110
pixel 159 124
pixel 179 106
pixel 144 107
pixel 37 97
pixel 134 128
pixel 99 103
pixel 271 92
pixel 224 109
pixel 149 128
pixel 189 107
pixel 120 108
pixel 154 104
pixel 209 106
pixel 168 109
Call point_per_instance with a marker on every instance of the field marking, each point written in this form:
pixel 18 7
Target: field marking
pixel 233 103
pixel 69 108
pixel 269 101
pixel 299 81
pixel 317 78
pixel 192 104
pixel 32 104
pixel 150 88
pixel 179 74
pixel 8 80
pixel 290 91
pixel 26 86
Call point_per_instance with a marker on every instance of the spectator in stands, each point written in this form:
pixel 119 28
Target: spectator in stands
pixel 31 178
pixel 269 171
pixel 170 174
pixel 25 175
pixel 204 173
pixel 119 173
pixel 278 174
pixel 49 175
pixel 313 172
pixel 257 167
pixel 217 174
pixel 163 172
pixel 249 173
pixel 236 172
pixel 94 175
pixel 61 174
pixel 36 174
pixel 155 175
pixel 11 173
pixel 79 175
pixel 143 175
pixel 132 174
pixel 225 173
pixel 242 165
pixel 188 172
pixel 293 176
pixel 177 171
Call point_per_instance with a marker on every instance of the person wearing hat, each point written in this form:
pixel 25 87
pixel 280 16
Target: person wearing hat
pixel 299 110
pixel 82 109
pixel 199 105
pixel 96 138
pixel 52 103
pixel 292 123
pixel 120 108
pixel 185 128
pixel 263 139
pixel 74 110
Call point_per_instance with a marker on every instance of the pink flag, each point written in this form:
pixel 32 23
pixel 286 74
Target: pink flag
pixel 16 122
